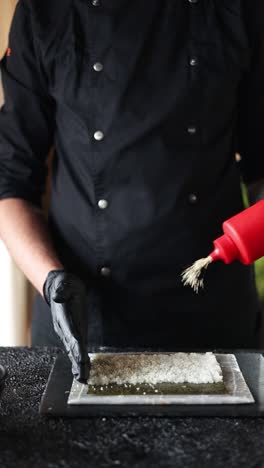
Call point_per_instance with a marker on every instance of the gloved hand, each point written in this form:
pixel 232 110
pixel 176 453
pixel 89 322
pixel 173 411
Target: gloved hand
pixel 65 293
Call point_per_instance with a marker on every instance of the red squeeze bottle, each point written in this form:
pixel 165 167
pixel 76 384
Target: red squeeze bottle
pixel 243 237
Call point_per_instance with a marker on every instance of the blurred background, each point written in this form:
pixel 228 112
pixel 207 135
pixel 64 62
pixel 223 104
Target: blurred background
pixel 16 296
pixel 15 291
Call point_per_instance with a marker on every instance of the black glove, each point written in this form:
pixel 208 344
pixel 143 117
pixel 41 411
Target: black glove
pixel 65 293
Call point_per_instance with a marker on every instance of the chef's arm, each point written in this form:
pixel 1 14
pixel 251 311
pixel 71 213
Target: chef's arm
pixel 250 122
pixel 24 232
pixel 27 125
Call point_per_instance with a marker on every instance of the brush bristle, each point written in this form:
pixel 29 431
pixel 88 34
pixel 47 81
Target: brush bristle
pixel 192 275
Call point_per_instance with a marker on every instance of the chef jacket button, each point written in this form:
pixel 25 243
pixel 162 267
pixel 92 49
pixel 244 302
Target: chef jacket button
pixel 192 130
pixel 96 2
pixel 105 271
pixel 98 67
pixel 103 204
pixel 193 198
pixel 98 135
pixel 193 61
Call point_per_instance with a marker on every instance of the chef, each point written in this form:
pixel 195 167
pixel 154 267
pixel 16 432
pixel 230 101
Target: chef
pixel 146 105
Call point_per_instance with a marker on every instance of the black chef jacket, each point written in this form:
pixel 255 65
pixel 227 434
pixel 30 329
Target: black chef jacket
pixel 146 104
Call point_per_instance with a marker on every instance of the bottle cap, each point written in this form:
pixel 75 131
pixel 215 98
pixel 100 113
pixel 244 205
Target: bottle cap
pixel 225 249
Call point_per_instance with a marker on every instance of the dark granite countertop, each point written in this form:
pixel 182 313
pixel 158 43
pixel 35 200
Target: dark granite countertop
pixel 29 440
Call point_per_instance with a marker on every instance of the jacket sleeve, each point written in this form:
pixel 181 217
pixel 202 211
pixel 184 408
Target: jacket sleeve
pixel 27 117
pixel 250 131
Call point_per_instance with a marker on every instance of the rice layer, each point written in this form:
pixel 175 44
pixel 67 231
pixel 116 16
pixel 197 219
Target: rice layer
pixel 196 368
